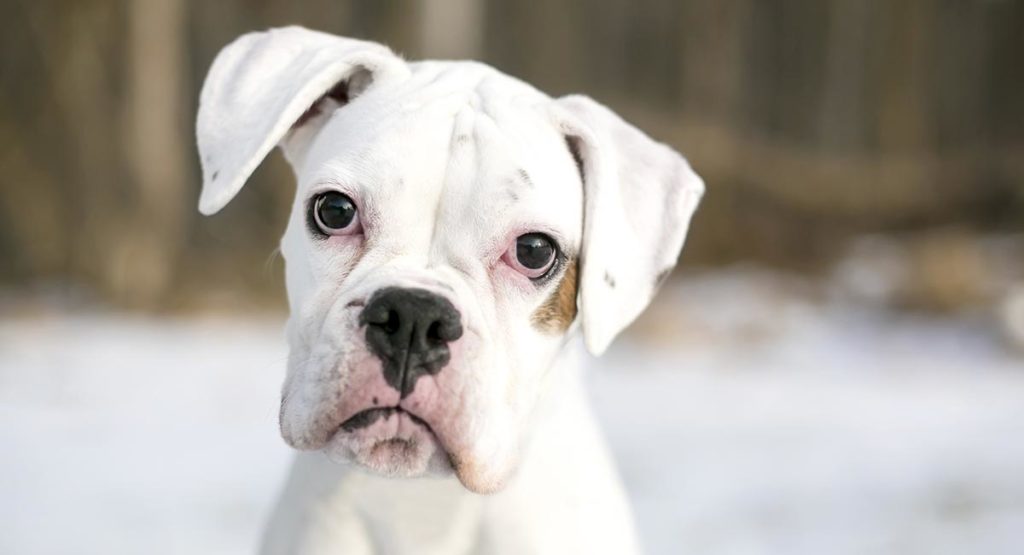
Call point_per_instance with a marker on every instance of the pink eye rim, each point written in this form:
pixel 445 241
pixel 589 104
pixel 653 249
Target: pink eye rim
pixel 333 213
pixel 535 255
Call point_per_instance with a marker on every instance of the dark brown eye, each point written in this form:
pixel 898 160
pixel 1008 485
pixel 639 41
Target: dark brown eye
pixel 535 252
pixel 335 213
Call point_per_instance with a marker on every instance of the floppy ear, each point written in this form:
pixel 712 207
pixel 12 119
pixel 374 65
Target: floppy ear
pixel 262 84
pixel 639 197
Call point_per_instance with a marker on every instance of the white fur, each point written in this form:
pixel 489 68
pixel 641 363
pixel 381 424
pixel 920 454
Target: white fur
pixel 448 162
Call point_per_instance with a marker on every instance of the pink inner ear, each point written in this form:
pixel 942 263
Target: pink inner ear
pixel 338 93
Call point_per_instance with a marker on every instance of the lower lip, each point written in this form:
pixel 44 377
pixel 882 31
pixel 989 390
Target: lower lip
pixel 374 432
pixel 367 418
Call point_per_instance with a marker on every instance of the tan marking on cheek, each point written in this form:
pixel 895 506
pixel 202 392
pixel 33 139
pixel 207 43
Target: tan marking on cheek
pixel 559 310
pixel 475 477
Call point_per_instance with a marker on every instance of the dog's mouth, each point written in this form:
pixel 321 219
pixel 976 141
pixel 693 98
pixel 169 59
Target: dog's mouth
pixel 368 417
pixel 391 441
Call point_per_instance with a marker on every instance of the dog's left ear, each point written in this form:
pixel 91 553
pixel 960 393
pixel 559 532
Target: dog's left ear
pixel 639 198
pixel 265 83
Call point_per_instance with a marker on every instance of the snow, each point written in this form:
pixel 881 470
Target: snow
pixel 747 417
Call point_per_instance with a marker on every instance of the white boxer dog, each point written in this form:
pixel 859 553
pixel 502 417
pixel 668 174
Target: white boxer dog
pixel 453 228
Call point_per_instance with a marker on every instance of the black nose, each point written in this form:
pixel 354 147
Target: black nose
pixel 409 329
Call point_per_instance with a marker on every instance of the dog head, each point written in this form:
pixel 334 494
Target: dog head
pixel 452 228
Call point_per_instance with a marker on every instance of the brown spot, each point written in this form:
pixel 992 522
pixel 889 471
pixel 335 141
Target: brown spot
pixel 559 310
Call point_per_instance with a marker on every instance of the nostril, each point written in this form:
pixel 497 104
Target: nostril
pixel 393 322
pixel 434 333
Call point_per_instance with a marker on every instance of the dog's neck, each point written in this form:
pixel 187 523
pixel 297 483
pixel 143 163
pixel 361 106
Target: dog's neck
pixel 329 504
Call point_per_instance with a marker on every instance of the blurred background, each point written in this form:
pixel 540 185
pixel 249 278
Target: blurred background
pixel 837 365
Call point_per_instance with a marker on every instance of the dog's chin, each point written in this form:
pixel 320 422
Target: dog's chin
pixel 394 443
pixel 389 442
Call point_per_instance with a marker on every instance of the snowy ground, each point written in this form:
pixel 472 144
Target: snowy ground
pixel 745 418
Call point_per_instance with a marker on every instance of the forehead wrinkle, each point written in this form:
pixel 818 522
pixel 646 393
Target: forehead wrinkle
pixel 398 168
pixel 476 171
pixel 461 146
pixel 488 177
pixel 492 160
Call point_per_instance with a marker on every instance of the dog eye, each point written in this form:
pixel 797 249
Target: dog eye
pixel 535 251
pixel 335 213
pixel 532 254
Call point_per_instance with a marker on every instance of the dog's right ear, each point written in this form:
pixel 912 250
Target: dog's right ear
pixel 263 84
